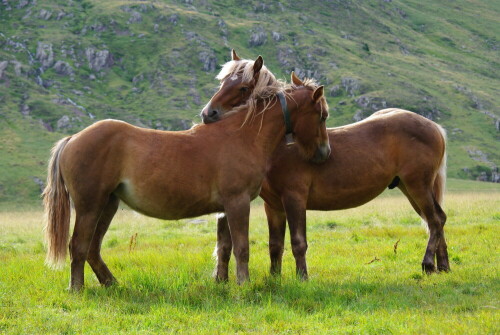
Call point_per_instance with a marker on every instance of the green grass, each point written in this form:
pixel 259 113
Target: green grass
pixel 165 283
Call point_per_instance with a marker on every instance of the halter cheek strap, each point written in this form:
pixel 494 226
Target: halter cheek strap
pixel 288 122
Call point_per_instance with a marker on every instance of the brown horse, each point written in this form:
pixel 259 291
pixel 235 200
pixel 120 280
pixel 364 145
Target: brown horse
pixel 391 148
pixel 243 81
pixel 170 175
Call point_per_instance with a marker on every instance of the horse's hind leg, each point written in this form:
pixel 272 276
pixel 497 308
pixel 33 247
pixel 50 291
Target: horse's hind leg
pixel 88 210
pixel 442 249
pixel 223 249
pixel 276 220
pixel 94 258
pixel 422 197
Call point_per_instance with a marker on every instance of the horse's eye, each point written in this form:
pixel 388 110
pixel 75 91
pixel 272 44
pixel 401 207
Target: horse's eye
pixel 243 89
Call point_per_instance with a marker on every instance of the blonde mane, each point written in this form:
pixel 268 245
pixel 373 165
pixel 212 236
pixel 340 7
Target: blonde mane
pixel 264 90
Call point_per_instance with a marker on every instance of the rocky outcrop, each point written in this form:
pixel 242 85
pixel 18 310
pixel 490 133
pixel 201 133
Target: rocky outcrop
pixel 63 68
pixel 3 66
pixel 45 54
pixel 99 59
pixel 371 103
pixel 208 60
pixel 350 85
pixel 258 38
pixel 135 17
pixel 277 36
pixel 45 14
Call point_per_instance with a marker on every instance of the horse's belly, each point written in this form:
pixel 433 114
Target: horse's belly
pixel 343 198
pixel 169 205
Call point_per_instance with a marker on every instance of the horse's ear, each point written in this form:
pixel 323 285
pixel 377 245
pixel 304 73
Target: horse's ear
pixel 234 56
pixel 295 80
pixel 318 93
pixel 257 65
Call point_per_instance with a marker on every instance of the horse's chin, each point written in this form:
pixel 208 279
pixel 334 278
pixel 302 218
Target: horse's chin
pixel 209 119
pixel 321 154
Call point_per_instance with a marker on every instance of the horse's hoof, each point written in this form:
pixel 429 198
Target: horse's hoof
pixel 221 279
pixel 110 282
pixel 444 269
pixel 428 268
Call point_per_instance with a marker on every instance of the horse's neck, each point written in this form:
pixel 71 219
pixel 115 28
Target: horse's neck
pixel 268 129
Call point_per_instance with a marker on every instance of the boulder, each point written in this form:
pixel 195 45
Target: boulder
pixel 44 54
pixel 257 38
pixel 99 59
pixel 63 68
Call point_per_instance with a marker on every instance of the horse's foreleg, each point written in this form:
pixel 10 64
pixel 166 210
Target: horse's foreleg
pixel 276 220
pixel 237 211
pixel 94 258
pixel 296 214
pixel 223 249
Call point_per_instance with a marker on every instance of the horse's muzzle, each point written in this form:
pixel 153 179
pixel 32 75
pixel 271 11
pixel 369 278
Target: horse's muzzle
pixel 210 116
pixel 322 153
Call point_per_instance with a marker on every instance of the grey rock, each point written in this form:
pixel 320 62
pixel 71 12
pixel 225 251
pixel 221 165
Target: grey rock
pixel 63 68
pixel 99 59
pixel 44 54
pixel 335 91
pixel 135 17
pixel 67 123
pixel 63 122
pixel 156 27
pixel 359 115
pixel 371 103
pixel 173 19
pixel 40 183
pixel 45 14
pixel 22 3
pixel 257 38
pixel 3 66
pixel 478 155
pixel 277 36
pixel 350 85
pixel 495 175
pixel 17 67
pixel 25 109
pixel 208 60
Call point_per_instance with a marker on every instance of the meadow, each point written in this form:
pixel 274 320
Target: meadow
pixel 360 282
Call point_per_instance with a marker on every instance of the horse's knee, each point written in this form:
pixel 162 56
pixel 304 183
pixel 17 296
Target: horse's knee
pixel 276 249
pixel 242 254
pixel 224 251
pixel 299 247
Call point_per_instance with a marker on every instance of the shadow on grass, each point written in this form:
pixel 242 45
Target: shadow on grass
pixel 301 297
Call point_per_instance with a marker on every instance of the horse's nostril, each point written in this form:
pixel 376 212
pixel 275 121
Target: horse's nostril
pixel 213 113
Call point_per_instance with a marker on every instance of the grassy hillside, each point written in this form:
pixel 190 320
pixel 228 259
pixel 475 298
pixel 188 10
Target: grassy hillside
pixel 66 64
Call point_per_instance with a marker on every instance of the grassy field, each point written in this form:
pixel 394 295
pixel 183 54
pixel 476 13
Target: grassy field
pixel 166 284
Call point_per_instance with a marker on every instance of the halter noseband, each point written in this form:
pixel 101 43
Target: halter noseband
pixel 288 122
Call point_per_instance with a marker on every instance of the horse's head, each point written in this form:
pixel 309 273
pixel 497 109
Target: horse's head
pixel 241 80
pixel 309 119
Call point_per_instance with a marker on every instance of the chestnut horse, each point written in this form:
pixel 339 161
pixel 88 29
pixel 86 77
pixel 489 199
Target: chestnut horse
pixel 242 82
pixel 392 148
pixel 170 175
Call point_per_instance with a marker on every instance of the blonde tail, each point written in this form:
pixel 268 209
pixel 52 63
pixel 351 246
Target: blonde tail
pixel 57 210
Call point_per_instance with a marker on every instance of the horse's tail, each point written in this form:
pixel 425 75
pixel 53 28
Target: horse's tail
pixel 440 181
pixel 57 210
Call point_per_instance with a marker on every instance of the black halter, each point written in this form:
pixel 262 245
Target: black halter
pixel 288 122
